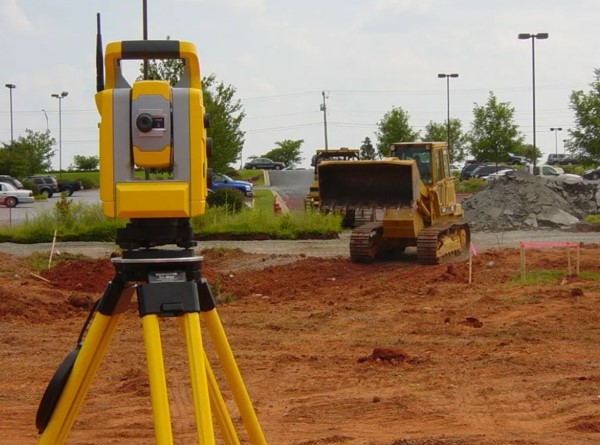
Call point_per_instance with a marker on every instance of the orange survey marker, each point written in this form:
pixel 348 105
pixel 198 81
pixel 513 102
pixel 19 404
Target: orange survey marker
pixel 524 245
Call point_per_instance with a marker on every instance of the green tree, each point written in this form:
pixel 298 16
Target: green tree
pixel 28 154
pixel 585 136
pixel 438 131
pixel 367 151
pixel 226 115
pixel 225 112
pixel 493 132
pixel 84 163
pixel 393 127
pixel 287 151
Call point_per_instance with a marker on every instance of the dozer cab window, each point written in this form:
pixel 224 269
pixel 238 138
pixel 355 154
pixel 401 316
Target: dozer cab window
pixel 420 154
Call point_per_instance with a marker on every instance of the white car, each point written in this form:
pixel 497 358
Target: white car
pixel 496 175
pixel 10 196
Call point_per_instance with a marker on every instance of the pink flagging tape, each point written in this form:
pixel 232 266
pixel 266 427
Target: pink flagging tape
pixel 473 249
pixel 545 244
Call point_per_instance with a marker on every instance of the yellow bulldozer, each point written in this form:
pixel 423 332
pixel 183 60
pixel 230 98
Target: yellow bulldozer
pixel 409 199
pixel 311 202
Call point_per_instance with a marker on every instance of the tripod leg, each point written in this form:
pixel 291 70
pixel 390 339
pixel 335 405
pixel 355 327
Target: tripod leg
pixel 157 380
pixel 198 377
pixel 217 404
pixel 233 377
pixel 92 351
pixel 220 409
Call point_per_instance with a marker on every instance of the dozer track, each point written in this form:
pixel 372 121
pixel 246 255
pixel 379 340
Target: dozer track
pixel 365 242
pixel 442 243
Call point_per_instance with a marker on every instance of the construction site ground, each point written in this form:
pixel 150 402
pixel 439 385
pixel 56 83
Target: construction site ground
pixel 332 352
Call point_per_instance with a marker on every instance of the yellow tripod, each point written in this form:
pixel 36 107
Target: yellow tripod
pixel 172 287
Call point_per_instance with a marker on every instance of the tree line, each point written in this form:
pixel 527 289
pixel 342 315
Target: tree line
pixel 492 136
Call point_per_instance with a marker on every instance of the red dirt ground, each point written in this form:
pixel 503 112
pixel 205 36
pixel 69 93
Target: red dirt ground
pixel 333 352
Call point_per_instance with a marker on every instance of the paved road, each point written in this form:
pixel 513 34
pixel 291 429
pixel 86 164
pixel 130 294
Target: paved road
pixel 291 185
pixel 18 214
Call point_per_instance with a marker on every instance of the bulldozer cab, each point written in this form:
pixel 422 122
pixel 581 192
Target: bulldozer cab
pixel 433 163
pixel 421 154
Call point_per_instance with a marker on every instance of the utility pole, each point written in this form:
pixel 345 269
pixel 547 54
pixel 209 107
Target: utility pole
pixel 324 110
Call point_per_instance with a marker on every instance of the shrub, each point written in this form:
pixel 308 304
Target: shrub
pixel 231 199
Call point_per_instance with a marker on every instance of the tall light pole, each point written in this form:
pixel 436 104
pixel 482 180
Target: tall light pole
pixel 533 37
pixel 60 97
pixel 324 110
pixel 556 130
pixel 11 86
pixel 447 77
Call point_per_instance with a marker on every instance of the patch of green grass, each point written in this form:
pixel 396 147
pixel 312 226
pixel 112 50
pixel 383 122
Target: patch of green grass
pixel 470 185
pixel 595 219
pixel 541 276
pixel 261 221
pixel 256 177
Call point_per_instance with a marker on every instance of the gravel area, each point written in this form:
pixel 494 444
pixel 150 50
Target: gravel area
pixel 316 248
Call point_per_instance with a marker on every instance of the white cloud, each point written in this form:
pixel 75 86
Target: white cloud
pixel 13 15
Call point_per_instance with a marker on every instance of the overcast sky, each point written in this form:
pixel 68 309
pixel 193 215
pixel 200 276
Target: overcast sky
pixel 368 56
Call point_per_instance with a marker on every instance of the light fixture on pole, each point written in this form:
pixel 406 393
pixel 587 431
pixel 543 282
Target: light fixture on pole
pixel 447 77
pixel 533 37
pixel 60 97
pixel 46 114
pixel 11 86
pixel 556 130
pixel 324 110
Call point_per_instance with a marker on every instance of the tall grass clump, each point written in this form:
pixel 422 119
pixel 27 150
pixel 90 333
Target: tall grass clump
pixel 72 221
pixel 257 223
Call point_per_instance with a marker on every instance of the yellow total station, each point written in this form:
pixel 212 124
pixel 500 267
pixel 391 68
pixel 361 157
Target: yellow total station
pixel 152 125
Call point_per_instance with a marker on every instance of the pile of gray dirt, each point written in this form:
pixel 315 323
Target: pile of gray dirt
pixel 521 201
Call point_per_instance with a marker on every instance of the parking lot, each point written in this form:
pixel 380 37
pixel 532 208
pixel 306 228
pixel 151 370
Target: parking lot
pixel 17 215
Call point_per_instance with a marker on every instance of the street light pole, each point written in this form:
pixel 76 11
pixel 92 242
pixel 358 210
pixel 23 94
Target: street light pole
pixel 525 36
pixel 60 97
pixel 324 110
pixel 556 130
pixel 46 114
pixel 447 77
pixel 11 87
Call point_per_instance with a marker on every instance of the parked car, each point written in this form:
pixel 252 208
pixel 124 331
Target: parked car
pixel 68 187
pixel 220 180
pixel 592 174
pixel 467 170
pixel 11 196
pixel 561 158
pixel 264 164
pixel 498 174
pixel 47 185
pixel 554 158
pixel 12 181
pixel 516 160
pixel 483 171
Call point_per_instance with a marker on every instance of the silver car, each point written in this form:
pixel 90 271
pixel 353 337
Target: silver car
pixel 11 196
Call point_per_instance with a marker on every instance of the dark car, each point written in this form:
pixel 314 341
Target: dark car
pixel 482 171
pixel 592 174
pixel 47 185
pixel 68 187
pixel 220 180
pixel 264 164
pixel 12 181
pixel 568 160
pixel 516 160
pixel 467 170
